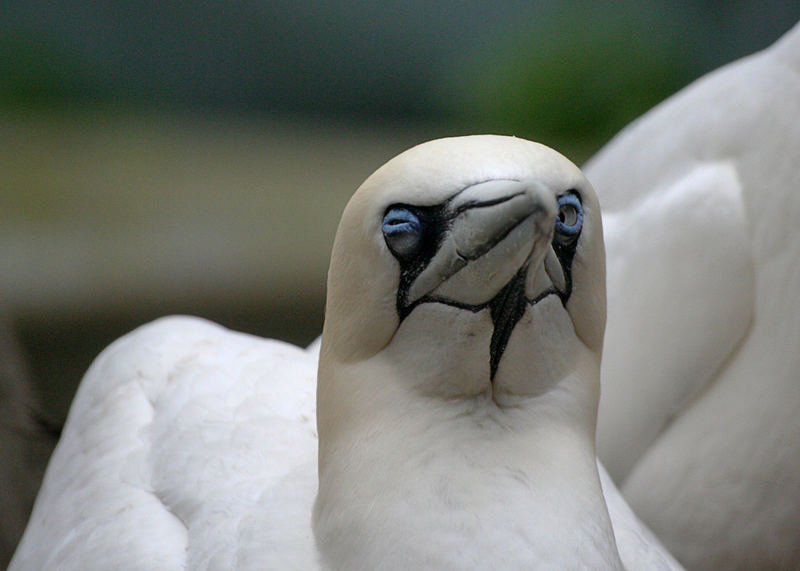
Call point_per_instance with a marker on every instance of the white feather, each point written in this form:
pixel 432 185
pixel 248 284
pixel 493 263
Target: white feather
pixel 187 445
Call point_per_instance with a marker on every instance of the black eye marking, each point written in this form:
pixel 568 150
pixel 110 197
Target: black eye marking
pixel 569 224
pixel 413 235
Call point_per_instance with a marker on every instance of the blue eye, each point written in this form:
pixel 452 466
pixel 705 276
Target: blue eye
pixel 402 230
pixel 569 219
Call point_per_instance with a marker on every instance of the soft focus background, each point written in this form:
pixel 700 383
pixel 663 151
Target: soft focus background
pixel 194 157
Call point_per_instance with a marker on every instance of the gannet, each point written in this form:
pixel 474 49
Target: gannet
pixel 456 400
pixel 698 418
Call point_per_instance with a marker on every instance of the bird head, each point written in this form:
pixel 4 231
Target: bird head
pixel 469 265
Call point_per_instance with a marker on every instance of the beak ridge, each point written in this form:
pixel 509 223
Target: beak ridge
pixel 494 228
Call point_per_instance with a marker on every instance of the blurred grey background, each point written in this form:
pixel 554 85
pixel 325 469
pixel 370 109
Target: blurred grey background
pixel 194 157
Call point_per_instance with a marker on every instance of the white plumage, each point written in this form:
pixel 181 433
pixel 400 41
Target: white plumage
pixel 458 385
pixel 701 367
pixel 184 438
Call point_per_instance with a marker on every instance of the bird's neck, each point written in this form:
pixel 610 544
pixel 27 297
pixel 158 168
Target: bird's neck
pixel 463 483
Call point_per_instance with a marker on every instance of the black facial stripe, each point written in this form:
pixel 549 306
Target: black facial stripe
pixel 434 226
pixel 506 309
pixel 565 254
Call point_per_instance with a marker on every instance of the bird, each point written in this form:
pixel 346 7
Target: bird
pixel 446 420
pixel 698 418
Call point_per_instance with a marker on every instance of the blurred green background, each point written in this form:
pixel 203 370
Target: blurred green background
pixel 194 157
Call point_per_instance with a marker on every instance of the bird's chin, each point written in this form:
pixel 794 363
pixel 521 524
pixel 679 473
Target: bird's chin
pixel 537 341
pixel 505 308
pixel 446 347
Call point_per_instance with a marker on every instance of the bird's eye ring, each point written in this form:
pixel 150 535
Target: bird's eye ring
pixel 402 231
pixel 569 220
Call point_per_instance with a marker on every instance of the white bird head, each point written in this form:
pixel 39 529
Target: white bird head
pixel 472 264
